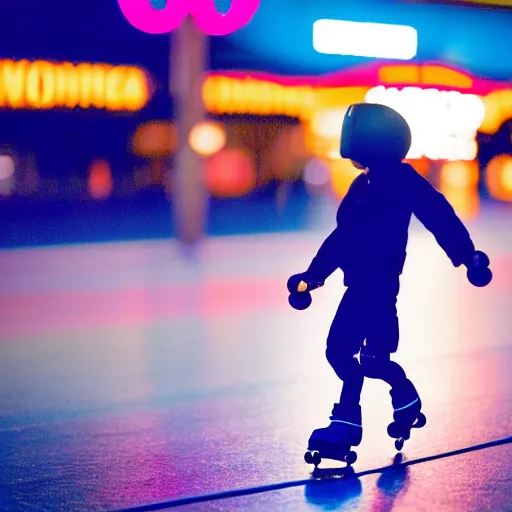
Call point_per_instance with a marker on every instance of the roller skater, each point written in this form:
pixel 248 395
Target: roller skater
pixel 369 246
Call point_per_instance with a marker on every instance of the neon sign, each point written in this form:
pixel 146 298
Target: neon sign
pixel 339 37
pixel 44 85
pixel 443 123
pixel 143 16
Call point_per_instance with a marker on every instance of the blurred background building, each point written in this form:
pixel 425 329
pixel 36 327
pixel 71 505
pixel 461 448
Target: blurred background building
pixel 89 131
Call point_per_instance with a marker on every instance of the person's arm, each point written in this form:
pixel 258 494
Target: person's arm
pixel 437 215
pixel 327 260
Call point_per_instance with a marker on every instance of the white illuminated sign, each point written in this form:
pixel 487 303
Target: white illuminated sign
pixel 443 123
pixel 337 37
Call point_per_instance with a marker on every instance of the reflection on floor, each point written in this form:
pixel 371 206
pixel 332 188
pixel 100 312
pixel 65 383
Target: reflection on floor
pixel 130 376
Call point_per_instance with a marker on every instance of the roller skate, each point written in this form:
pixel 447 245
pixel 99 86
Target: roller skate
pixel 334 442
pixel 407 413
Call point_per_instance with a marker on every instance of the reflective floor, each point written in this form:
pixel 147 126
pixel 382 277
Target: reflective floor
pixel 129 375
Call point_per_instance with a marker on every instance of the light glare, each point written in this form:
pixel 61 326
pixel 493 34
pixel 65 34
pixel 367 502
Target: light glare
pixel 337 37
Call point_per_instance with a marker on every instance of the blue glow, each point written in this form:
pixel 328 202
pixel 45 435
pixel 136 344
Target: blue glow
pixel 475 40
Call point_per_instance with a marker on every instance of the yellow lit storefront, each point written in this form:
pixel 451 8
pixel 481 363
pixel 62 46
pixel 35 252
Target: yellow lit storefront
pixel 43 85
pixel 445 108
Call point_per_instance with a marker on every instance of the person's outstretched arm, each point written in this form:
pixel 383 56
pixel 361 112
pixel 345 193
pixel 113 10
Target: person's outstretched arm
pixel 434 211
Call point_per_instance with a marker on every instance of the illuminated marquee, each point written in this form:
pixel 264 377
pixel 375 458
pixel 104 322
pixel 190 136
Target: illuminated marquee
pixel 143 15
pixel 443 123
pixel 223 95
pixel 44 85
pixel 339 37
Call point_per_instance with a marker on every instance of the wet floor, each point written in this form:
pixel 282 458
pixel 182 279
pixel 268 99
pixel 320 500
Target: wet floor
pixel 130 376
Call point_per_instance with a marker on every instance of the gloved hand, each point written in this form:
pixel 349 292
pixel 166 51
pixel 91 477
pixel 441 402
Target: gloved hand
pixel 300 286
pixel 479 274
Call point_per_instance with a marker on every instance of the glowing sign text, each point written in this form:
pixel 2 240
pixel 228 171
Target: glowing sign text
pixel 337 37
pixel 44 85
pixel 143 16
pixel 443 123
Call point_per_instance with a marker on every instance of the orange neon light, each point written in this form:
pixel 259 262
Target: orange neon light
pixel 43 85
pixel 424 75
pixel 437 75
pixel 226 95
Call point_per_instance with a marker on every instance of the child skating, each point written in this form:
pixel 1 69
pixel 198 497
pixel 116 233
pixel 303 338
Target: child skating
pixel 369 246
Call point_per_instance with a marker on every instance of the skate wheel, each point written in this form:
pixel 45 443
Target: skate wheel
pixel 312 458
pixel 421 421
pixel 351 457
pixel 394 430
pixel 399 444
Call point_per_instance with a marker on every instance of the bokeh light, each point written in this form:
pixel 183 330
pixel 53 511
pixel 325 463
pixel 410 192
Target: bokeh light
pixel 6 167
pixel 498 177
pixel 6 175
pixel 100 183
pixel 155 139
pixel 288 155
pixel 459 174
pixel 230 173
pixel 316 172
pixel 207 138
pixel 316 176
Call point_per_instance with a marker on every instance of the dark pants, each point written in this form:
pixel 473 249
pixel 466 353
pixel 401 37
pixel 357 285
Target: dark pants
pixel 366 322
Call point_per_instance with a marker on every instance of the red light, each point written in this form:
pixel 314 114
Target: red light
pixel 230 173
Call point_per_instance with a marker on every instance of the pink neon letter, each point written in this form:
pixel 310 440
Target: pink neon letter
pixel 210 21
pixel 142 16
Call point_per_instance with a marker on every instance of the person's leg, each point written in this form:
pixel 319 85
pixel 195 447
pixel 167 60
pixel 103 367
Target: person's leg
pixel 343 344
pixel 382 331
pixel 381 342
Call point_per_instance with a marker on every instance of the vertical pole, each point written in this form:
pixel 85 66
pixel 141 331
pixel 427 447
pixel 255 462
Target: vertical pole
pixel 188 63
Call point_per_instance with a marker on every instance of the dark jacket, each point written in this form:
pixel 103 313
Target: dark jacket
pixel 372 226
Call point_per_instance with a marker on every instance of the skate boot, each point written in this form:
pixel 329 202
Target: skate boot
pixel 334 442
pixel 407 413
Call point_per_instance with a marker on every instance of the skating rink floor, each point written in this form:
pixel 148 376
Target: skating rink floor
pixel 131 378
